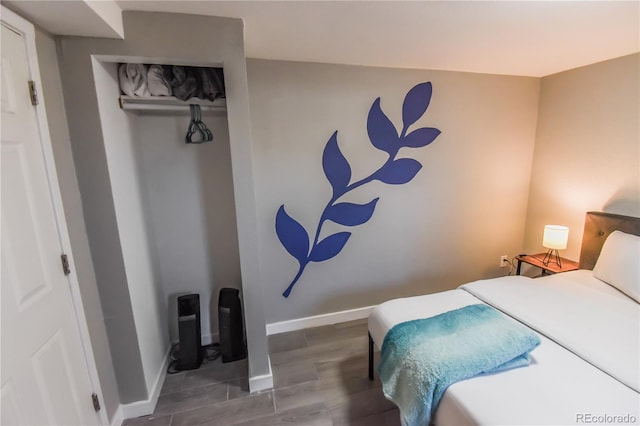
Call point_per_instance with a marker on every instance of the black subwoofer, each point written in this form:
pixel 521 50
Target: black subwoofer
pixel 232 347
pixel 190 349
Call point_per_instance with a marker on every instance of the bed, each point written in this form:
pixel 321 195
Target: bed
pixel 586 367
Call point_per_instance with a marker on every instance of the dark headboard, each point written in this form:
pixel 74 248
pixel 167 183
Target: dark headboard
pixel 597 227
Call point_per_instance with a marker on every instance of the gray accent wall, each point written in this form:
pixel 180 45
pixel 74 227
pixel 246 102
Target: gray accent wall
pixel 449 225
pixel 128 281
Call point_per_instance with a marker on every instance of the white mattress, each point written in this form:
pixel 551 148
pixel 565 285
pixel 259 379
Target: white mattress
pixel 393 312
pixel 559 385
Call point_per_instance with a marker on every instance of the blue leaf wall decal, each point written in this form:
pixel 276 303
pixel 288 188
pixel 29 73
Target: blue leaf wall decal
pixel 329 247
pixel 382 132
pixel 384 136
pixel 292 235
pixel 421 137
pixel 399 171
pixel 350 214
pixel 416 103
pixel 335 165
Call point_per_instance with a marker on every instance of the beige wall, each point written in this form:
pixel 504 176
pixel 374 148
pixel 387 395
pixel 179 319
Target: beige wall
pixel 450 224
pixel 81 256
pixel 587 149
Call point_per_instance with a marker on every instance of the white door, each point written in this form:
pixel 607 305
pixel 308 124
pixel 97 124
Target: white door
pixel 44 373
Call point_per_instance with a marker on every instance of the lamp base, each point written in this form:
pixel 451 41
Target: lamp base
pixel 552 255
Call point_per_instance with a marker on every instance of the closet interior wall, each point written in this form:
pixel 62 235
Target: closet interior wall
pixel 185 204
pixel 189 191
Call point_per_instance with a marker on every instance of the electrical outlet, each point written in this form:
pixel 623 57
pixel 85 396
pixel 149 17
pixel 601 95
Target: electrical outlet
pixel 504 261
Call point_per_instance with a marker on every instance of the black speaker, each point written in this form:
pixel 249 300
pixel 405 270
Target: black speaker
pixel 232 346
pixel 190 348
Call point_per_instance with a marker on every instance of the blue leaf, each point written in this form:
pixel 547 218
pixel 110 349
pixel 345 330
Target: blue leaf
pixel 329 247
pixel 335 165
pixel 399 171
pixel 421 137
pixel 382 132
pixel 416 103
pixel 292 235
pixel 350 214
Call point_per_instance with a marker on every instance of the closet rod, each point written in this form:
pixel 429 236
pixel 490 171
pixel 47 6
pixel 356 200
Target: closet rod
pixel 169 103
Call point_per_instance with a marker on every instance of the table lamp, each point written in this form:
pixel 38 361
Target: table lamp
pixel 555 238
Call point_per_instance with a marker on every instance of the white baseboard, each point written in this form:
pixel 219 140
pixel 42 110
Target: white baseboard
pixel 318 320
pixel 146 407
pixel 260 383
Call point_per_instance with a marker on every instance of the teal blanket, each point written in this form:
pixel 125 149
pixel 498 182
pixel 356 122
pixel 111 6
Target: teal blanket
pixel 420 359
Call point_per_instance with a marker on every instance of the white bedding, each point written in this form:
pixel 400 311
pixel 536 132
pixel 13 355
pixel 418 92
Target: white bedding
pixel 393 312
pixel 577 312
pixel 600 328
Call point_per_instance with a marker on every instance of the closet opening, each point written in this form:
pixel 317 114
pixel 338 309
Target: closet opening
pixel 173 180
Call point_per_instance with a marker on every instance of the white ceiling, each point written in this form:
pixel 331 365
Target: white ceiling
pixel 505 37
pixel 530 38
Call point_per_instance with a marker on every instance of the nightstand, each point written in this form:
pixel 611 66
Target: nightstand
pixel 551 268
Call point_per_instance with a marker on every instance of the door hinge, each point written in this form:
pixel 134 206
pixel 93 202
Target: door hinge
pixel 33 92
pixel 96 402
pixel 65 264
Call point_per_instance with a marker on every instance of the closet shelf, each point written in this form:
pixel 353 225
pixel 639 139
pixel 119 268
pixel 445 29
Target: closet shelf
pixel 169 103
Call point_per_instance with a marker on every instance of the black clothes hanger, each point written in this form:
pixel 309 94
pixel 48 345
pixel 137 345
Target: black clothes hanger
pixel 196 126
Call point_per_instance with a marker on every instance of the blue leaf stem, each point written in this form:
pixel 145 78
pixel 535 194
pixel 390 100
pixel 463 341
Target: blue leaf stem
pixel 295 279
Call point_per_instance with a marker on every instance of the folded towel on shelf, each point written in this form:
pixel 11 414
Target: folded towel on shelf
pixel 133 79
pixel 209 84
pixel 217 74
pixel 420 359
pixel 183 81
pixel 157 81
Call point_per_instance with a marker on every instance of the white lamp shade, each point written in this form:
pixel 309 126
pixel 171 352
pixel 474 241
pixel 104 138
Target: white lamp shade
pixel 555 237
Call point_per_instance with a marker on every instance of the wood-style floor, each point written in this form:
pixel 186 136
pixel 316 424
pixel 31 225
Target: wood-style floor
pixel 320 379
